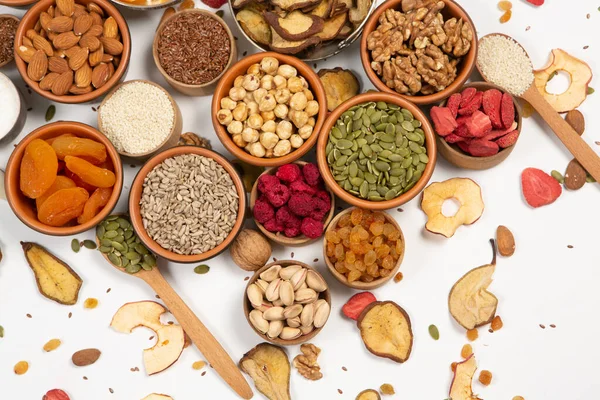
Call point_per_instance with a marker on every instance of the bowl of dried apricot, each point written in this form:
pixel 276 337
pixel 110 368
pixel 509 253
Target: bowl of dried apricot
pixel 363 249
pixel 63 178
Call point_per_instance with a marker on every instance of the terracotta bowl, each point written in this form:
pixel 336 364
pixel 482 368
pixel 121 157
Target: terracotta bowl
pixel 170 141
pixel 24 207
pixel 30 19
pixel 279 237
pixel 429 145
pixel 360 285
pixel 8 16
pixel 240 68
pixel 454 155
pixel 187 89
pixel 136 194
pixel 465 67
pixel 248 307
pixel 16 3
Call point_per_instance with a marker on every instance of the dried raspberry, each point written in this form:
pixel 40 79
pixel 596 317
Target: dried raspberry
pixel 292 232
pixel 492 100
pixel 321 205
pixel 311 228
pixel 508 139
pixel 453 103
pixel 266 181
pixel 473 105
pixel 273 226
pixel 507 110
pixel 319 215
pixel 283 215
pixel 263 211
pixel 301 204
pixel 324 194
pixel 289 173
pixel 467 95
pixel 278 195
pixel 311 174
pixel 302 187
pixel 539 188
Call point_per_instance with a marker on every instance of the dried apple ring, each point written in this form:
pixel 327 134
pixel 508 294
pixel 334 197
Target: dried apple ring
pixel 465 191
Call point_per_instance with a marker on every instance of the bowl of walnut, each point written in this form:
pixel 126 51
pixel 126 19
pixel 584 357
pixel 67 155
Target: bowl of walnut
pixel 423 50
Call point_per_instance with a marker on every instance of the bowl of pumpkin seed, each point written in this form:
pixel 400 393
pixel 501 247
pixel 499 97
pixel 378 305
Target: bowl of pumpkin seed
pixel 376 151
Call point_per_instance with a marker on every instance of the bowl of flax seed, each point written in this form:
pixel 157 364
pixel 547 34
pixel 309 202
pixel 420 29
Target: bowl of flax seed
pixel 192 49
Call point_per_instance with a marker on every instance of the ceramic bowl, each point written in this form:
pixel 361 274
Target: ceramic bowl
pixel 465 67
pixel 171 140
pixel 24 207
pixel 16 3
pixel 13 17
pixel 279 237
pixel 29 21
pixel 455 156
pixel 248 306
pixel 143 5
pixel 226 84
pixel 429 145
pixel 135 196
pixel 360 285
pixel 187 89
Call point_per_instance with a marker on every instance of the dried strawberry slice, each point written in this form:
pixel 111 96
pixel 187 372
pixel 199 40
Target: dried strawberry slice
pixel 508 139
pixel 357 303
pixel 536 2
pixel 539 188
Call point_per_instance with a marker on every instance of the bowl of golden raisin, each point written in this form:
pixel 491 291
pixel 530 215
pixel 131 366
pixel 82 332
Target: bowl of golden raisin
pixel 363 249
pixel 63 178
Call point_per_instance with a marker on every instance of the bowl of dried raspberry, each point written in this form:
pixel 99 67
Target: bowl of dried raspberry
pixel 291 204
pixel 478 127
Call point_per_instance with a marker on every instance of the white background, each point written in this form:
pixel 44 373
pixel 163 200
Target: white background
pixel 543 283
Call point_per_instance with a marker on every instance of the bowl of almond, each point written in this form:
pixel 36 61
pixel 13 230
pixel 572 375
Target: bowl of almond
pixel 72 51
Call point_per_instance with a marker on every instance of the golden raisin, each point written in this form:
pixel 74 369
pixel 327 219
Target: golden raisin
pixel 398 277
pixel 332 236
pixel 89 173
pixel 356 216
pixel 90 303
pixel 63 206
pixel 187 4
pixel 198 365
pixel 354 275
pixel 52 345
pixel 485 377
pixel 453 366
pixel 376 228
pixel 472 334
pixel 39 167
pixel 504 5
pixel 387 389
pixel 497 323
pixel 466 351
pixel 21 367
pixel 506 17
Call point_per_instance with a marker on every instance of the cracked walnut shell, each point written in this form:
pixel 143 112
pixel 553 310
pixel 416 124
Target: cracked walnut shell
pixel 306 363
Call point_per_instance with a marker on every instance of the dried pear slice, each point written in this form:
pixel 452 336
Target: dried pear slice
pixel 386 331
pixel 359 13
pixel 368 394
pixel 296 25
pixel 323 9
pixel 241 3
pixel 291 5
pixel 345 32
pixel 332 27
pixel 281 45
pixel 460 388
pixel 55 279
pixel 269 368
pixel 340 7
pixel 254 25
pixel 469 302
pixel 340 85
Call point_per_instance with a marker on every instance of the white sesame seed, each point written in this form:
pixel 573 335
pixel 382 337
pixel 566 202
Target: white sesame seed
pixel 504 62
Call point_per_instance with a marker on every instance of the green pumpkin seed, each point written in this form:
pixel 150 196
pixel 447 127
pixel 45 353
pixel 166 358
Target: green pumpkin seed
pixel 114 259
pixel 407 162
pixel 90 244
pixel 423 158
pixel 100 230
pixel 141 249
pixel 408 126
pixel 203 268
pixel 132 255
pixel 382 105
pixel 118 246
pixel 407 115
pixel 50 112
pixel 75 246
pixel 382 166
pixel 434 332
pixel 132 269
pixel 343 144
pixel 358 113
pixel 391 194
pixel 105 249
pixel 150 260
pixel 356 181
pixel 112 226
pixel 110 234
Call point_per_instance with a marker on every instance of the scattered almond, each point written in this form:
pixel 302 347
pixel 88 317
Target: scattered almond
pixel 505 241
pixel 387 389
pixel 83 358
pixel 576 120
pixel 575 176
pixel 52 344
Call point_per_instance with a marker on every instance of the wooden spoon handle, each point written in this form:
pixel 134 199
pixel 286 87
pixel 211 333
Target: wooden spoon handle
pixel 200 335
pixel 586 156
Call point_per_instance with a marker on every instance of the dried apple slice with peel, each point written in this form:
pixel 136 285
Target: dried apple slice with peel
pixel 465 191
pixel 579 72
pixel 469 302
pixel 295 25
pixel 332 27
pixel 269 368
pixel 460 388
pixel 386 330
pixel 155 396
pixel 139 313
pixel 254 25
pixel 284 46
pixel 291 5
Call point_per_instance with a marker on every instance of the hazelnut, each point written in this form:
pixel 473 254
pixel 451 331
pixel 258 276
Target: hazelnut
pixel 309 95
pixel 256 149
pixel 239 142
pixel 250 250
pixel 268 115
pixel 299 118
pixel 250 135
pixel 237 93
pixel 305 131
pixel 269 65
pixel 296 141
pixel 281 111
pixel 252 108
pixel 258 94
pixel 266 82
pixel 282 148
pixel 227 103
pixel 295 84
pixel 312 108
pixel 238 81
pixel 254 69
pixel 269 126
pixel 267 103
pixel 251 82
pixel 240 112
pixel 280 82
pixel 255 121
pixel 269 140
pixel 287 71
pixel 283 96
pixel 298 101
pixel 235 127
pixel 224 116
pixel 284 129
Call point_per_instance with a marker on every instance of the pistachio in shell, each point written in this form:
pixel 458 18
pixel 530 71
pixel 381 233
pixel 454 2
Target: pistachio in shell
pixel 250 250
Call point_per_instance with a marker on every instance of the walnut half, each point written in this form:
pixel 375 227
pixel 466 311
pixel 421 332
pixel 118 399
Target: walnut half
pixel 306 363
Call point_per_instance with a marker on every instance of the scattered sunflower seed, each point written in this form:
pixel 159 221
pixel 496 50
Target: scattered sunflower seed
pixel 434 332
pixel 50 112
pixel 75 246
pixel 202 269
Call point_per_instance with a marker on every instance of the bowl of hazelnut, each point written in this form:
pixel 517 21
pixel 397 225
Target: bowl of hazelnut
pixel 268 108
pixel 425 64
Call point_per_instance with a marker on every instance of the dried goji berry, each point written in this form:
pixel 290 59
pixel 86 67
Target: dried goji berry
pixel 63 206
pixel 38 168
pixel 94 204
pixel 61 182
pixel 79 147
pixel 90 173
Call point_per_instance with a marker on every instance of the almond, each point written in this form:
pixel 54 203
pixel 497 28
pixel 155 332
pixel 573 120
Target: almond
pixel 26 53
pixel 63 83
pixel 46 83
pixel 97 18
pixel 90 41
pixel 38 66
pixel 58 64
pixel 111 29
pixel 66 7
pixel 65 40
pixel 76 91
pixel 505 241
pixel 93 7
pixel 79 10
pixel 78 58
pixel 59 53
pixel 60 24
pixel 31 34
pixel 71 51
pixel 57 12
pixel 107 58
pixel 50 11
pixel 112 46
pixel 43 33
pixel 37 27
pixel 51 36
pixel 27 42
pixel 45 20
pixel 111 70
pixel 42 44
pixel 83 76
pixel 82 24
pixel 100 75
pixel 116 61
pixel 576 120
pixel 95 57
pixel 85 357
pixel 95 30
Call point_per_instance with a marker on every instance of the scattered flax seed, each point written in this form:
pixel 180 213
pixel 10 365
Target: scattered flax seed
pixel 90 303
pixel 244 54
pixel 203 373
pixel 157 296
pixel 485 377
pixel 552 326
pixel 398 277
pixel 490 330
pixel 132 165
pixel 316 259
pixel 70 314
pixel 246 278
pixel 497 323
pixel 94 109
pixel 542 326
pixel 170 322
pixel 135 369
pixel 274 259
pixel 588 16
pixel 466 351
pixel 344 369
pixel 570 246
pixel 151 337
pixel 292 254
pixel 597 143
pixel 528 28
pixel 400 210
pixel 110 390
pixel 108 290
pixel 340 391
pixel 586 47
pixel 472 334
pixel 198 365
pixel 85 378
pixel 28 315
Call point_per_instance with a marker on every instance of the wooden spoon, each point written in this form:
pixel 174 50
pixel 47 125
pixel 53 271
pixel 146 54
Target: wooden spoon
pixel 572 141
pixel 216 356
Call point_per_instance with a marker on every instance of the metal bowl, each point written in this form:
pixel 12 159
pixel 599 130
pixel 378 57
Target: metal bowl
pixel 314 53
pixel 146 4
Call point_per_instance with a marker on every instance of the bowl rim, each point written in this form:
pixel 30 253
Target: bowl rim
pixel 282 239
pixel 135 195
pixel 430 145
pixel 161 26
pixel 33 14
pixel 16 3
pixel 481 86
pixel 304 70
pixel 173 104
pixel 467 63
pixel 359 284
pixel 130 6
pixel 14 17
pixel 52 130
pixel 326 295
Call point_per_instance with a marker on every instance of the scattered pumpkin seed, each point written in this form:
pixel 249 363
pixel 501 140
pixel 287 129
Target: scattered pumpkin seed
pixel 75 246
pixel 590 90
pixel 50 112
pixel 434 332
pixel 202 269
pixel 1 331
pixel 89 244
pixel 558 176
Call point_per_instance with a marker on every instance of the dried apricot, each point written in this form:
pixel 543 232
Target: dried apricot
pixel 78 181
pixel 79 147
pixel 94 204
pixel 39 167
pixel 485 377
pixel 61 182
pixel 51 140
pixel 63 206
pixel 90 173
